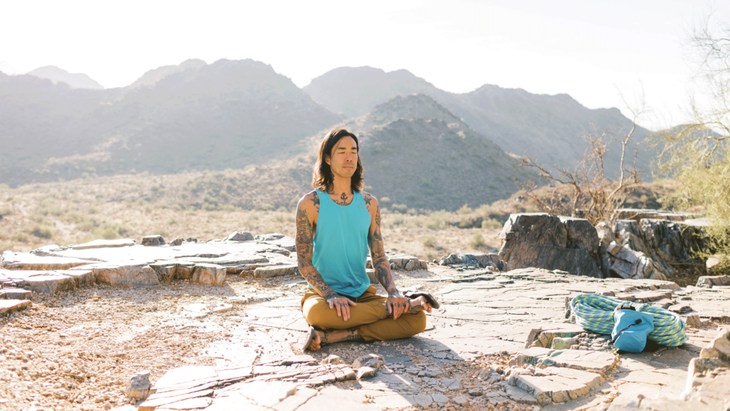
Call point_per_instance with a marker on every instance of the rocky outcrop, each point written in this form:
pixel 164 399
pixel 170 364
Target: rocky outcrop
pixel 550 242
pixel 649 248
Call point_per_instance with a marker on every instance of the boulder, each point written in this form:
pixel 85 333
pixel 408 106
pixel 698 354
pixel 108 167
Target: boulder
pixel 404 262
pixel 709 281
pixel 533 228
pixel 581 234
pixel 450 259
pixel 138 387
pixel 153 240
pixel 628 263
pixel 165 270
pixel 209 274
pixel 239 236
pixel 542 240
pixel 269 237
pixel 133 275
pixel 576 261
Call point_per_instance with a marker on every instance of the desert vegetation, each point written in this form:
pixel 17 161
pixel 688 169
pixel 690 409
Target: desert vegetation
pixel 210 205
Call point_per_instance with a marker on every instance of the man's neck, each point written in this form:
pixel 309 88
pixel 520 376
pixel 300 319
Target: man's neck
pixel 341 185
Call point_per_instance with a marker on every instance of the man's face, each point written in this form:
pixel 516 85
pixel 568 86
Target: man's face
pixel 343 160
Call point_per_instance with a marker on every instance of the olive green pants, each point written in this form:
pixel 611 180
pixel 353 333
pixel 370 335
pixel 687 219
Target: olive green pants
pixel 368 316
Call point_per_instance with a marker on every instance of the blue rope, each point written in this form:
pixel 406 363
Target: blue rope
pixel 594 312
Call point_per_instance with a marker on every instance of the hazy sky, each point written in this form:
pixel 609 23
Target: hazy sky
pixel 586 48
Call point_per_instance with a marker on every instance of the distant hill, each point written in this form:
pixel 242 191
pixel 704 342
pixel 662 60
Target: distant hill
pixel 415 152
pixel 228 114
pixel 74 80
pixel 547 128
pixel 419 154
pixel 153 76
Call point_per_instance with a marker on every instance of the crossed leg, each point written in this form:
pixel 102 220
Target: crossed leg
pixel 368 321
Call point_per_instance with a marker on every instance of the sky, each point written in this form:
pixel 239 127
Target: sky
pixel 595 51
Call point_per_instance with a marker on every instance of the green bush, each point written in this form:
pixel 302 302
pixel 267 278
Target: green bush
pixel 42 231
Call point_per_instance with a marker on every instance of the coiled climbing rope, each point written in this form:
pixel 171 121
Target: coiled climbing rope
pixel 594 312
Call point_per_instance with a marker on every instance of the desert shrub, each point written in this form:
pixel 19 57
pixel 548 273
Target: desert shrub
pixel 47 206
pixel 106 232
pixel 42 231
pixel 429 241
pixel 21 237
pixel 465 209
pixel 86 225
pixel 74 218
pixel 437 219
pixel 491 224
pixel 399 208
pixel 393 220
pixel 384 201
pixel 477 241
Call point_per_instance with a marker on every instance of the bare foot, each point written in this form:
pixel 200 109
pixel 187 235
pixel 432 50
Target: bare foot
pixel 419 304
pixel 316 343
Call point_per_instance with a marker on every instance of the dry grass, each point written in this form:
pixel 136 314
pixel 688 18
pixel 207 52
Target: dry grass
pixel 78 211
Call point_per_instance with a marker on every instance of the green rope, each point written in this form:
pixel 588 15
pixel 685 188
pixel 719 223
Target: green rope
pixel 594 312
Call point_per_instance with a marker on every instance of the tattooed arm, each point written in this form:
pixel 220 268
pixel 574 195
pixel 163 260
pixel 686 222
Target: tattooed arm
pixel 306 220
pixel 396 303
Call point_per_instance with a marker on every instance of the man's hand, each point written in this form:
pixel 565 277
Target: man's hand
pixel 342 304
pixel 396 304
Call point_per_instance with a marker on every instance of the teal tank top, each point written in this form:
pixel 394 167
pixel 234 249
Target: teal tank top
pixel 341 244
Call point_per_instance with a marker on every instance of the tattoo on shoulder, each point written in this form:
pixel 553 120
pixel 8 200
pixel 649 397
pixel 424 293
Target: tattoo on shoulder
pixel 315 198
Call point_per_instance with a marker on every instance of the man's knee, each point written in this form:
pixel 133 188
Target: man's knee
pixel 419 322
pixel 318 313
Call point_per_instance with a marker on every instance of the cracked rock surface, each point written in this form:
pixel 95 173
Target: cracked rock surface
pixel 500 340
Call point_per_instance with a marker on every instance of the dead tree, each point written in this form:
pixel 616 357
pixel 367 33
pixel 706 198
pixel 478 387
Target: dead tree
pixel 591 194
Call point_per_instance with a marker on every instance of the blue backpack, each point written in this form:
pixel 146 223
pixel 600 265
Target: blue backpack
pixel 631 328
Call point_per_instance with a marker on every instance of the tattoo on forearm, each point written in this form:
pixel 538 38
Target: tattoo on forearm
pixel 380 261
pixel 305 246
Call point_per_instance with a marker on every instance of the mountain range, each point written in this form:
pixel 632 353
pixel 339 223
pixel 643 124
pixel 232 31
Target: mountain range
pixel 422 147
pixel 548 128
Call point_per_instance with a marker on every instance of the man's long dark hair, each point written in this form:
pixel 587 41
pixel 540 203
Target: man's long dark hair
pixel 322 174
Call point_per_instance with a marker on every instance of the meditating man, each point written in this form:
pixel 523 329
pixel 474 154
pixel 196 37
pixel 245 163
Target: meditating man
pixel 336 223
